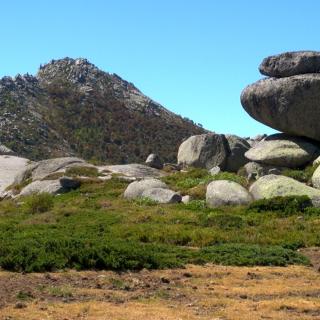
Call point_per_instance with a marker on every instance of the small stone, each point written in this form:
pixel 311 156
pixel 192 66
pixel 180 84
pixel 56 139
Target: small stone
pixel 215 170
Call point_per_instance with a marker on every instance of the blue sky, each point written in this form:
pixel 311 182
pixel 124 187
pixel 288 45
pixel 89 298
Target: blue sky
pixel 192 56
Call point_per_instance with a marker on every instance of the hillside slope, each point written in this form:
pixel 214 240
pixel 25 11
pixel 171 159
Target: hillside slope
pixel 72 108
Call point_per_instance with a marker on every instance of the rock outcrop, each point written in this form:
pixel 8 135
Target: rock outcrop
pixel 211 150
pixel 223 192
pixel 282 150
pixel 114 121
pixel 291 103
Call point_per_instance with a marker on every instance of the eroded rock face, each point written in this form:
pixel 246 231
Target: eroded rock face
pixel 9 167
pixel 161 195
pixel 136 188
pixel 291 63
pixel 270 186
pixel 224 192
pixel 290 105
pixel 204 151
pixel 238 147
pixel 282 150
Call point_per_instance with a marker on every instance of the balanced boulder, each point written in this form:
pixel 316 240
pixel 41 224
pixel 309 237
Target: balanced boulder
pixel 224 192
pixel 271 186
pixel 283 151
pixel 204 151
pixel 136 188
pixel 290 105
pixel 291 63
pixel 162 195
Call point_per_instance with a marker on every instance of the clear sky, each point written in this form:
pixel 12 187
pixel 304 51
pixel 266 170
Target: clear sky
pixel 192 56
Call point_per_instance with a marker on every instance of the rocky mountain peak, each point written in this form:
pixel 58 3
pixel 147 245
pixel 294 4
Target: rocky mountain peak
pixel 71 107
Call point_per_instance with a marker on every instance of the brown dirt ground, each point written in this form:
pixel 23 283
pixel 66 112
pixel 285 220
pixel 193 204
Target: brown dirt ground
pixel 196 292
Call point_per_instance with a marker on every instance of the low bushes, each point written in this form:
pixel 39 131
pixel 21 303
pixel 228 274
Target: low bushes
pixel 283 205
pixel 38 203
pixel 39 255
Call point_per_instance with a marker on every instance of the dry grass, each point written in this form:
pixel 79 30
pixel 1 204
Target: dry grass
pixel 197 292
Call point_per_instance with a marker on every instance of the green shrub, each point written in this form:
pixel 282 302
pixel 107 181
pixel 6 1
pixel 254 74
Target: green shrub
pixel 283 205
pixel 38 203
pixel 222 221
pixel 250 255
pixel 195 205
pixel 302 175
pixel 39 255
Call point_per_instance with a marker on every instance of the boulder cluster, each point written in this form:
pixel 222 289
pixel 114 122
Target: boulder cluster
pixel 288 100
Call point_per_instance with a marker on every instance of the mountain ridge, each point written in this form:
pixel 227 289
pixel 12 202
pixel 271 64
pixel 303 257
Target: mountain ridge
pixel 71 107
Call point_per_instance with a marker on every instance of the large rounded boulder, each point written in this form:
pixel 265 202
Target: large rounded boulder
pixel 161 195
pixel 271 186
pixel 136 188
pixel 204 151
pixel 290 105
pixel 223 192
pixel 283 151
pixel 291 63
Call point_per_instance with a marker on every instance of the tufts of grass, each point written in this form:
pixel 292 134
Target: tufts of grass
pixel 302 175
pixel 194 181
pixel 84 171
pixel 38 203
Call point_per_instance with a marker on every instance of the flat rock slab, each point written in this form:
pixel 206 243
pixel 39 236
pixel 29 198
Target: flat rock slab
pixel 291 63
pixel 136 170
pixel 9 167
pixel 45 167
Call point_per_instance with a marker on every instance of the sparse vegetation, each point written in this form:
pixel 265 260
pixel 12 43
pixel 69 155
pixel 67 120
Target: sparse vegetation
pixel 302 175
pixel 95 228
pixel 85 171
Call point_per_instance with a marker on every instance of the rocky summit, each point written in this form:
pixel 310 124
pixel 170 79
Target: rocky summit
pixel 291 102
pixel 72 108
